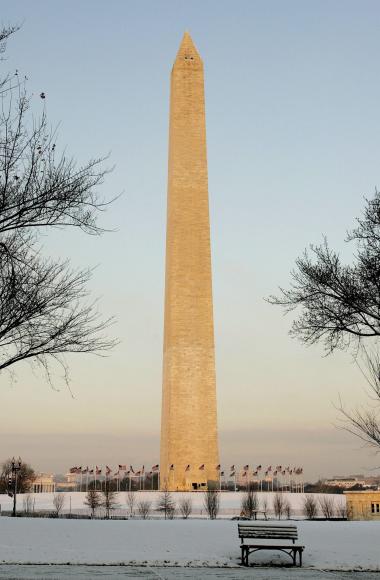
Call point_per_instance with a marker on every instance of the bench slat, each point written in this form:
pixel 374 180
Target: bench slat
pixel 268 531
pixel 271 526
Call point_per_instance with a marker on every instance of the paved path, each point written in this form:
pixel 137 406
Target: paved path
pixel 57 572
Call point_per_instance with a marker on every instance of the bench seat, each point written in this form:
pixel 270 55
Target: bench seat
pixel 276 533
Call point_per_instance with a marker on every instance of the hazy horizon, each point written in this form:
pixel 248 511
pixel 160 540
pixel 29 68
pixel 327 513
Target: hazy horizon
pixel 292 93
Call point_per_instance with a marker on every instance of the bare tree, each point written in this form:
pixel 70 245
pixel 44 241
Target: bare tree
pixel 27 503
pixel 211 501
pixel 93 500
pixel 109 500
pixel 44 308
pixel 144 508
pixel 339 305
pixel 58 503
pixel 25 476
pixel 287 509
pixel 278 505
pixel 249 503
pixel 364 423
pixel 131 501
pixel 166 504
pixel 264 504
pixel 341 508
pixel 185 506
pixel 327 505
pixel 310 507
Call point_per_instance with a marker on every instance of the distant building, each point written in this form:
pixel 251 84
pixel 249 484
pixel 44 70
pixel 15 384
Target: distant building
pixel 70 484
pixel 43 483
pixel 347 481
pixel 363 505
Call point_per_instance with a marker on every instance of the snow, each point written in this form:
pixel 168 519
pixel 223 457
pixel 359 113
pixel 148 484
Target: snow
pixel 329 545
pixel 196 542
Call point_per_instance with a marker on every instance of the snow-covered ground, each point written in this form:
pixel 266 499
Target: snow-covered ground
pixel 229 502
pixel 197 542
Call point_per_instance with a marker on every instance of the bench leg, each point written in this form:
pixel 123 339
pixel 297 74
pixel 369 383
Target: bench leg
pixel 244 555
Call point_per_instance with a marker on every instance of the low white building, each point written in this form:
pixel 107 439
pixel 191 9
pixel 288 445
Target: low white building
pixel 43 483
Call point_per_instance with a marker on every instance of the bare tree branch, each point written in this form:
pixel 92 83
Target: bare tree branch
pixel 45 309
pixel 339 305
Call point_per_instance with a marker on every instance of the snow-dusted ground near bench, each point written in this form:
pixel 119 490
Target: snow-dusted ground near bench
pixel 230 502
pixel 329 545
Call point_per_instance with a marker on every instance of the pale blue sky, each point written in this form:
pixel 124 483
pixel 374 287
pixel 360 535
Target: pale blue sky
pixel 292 100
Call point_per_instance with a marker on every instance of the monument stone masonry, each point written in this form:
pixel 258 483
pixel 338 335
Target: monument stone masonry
pixel 189 446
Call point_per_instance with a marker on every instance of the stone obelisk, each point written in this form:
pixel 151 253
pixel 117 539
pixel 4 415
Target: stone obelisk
pixel 189 447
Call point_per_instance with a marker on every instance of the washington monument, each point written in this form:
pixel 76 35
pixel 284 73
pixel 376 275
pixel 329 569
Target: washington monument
pixel 189 447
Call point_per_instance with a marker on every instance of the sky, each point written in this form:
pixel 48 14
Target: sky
pixel 292 105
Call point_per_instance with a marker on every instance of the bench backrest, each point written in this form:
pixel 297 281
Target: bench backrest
pixel 268 531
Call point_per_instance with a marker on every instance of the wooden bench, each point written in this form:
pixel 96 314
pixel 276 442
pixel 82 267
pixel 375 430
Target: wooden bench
pixel 277 532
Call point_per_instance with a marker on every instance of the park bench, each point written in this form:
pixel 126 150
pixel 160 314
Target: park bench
pixel 275 532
